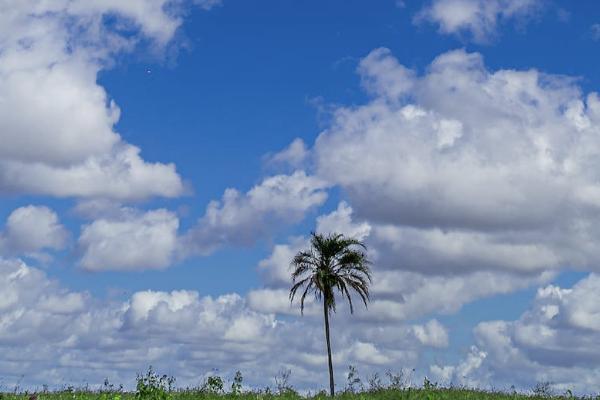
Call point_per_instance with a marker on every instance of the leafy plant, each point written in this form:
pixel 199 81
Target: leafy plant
pixel 353 382
pixel 109 387
pixel 282 381
pixel 213 384
pixel 236 386
pixel 396 379
pixel 428 385
pixel 152 386
pixel 375 384
pixel 543 389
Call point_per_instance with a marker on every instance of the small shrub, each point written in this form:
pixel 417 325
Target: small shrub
pixel 543 389
pixel 153 386
pixel 353 382
pixel 282 381
pixel 375 384
pixel 108 387
pixel 396 379
pixel 428 385
pixel 236 386
pixel 213 384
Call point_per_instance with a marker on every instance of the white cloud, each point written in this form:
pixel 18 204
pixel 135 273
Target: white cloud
pixel 129 239
pixel 465 372
pixel 277 301
pixel 56 122
pixel 31 229
pixel 405 286
pixel 275 269
pixel 383 75
pixel 462 169
pixel 340 221
pixel 479 18
pixel 51 335
pixel 441 251
pixel 432 333
pixel 241 219
pixel 133 241
pixel 40 133
pixel 555 340
pixel 367 353
pixel 121 175
pixel 295 154
pixel 97 208
pixel 73 337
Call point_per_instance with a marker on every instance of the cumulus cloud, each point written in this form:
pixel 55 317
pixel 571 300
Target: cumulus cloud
pixel 340 221
pixel 555 340
pixel 294 155
pixel 479 18
pixel 432 333
pixel 56 122
pixel 242 218
pixel 122 238
pixel 31 229
pixel 400 292
pixel 465 183
pixel 49 334
pixel 275 269
pixel 463 169
pixel 132 240
pixel 402 295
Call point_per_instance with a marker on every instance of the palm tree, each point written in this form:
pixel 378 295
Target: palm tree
pixel 333 262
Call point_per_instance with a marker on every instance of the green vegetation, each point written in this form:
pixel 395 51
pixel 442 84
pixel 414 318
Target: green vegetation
pixel 384 394
pixel 152 386
pixel 332 263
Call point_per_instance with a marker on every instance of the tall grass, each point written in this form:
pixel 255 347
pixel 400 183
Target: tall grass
pixel 384 394
pixel 152 386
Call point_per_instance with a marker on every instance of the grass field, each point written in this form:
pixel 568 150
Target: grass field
pixel 152 386
pixel 385 394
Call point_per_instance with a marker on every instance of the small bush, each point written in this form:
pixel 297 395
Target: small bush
pixel 236 386
pixel 213 384
pixel 353 382
pixel 282 381
pixel 375 384
pixel 428 385
pixel 153 386
pixel 543 389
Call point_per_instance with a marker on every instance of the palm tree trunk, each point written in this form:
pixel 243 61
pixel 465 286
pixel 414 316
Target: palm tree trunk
pixel 326 313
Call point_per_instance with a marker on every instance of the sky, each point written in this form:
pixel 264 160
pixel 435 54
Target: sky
pixel 161 161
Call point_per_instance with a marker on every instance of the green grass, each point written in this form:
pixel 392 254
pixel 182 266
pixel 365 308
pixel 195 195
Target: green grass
pixel 385 394
pixel 152 386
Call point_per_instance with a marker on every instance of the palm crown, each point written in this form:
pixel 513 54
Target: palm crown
pixel 332 262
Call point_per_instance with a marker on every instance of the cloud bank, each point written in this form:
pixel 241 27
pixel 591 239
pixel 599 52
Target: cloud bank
pixel 51 334
pixel 555 341
pixel 464 169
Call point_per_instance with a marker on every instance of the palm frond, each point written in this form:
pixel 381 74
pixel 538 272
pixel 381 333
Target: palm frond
pixel 344 290
pixel 297 286
pixel 333 262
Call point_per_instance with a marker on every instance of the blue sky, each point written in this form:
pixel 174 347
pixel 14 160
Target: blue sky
pixel 162 161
